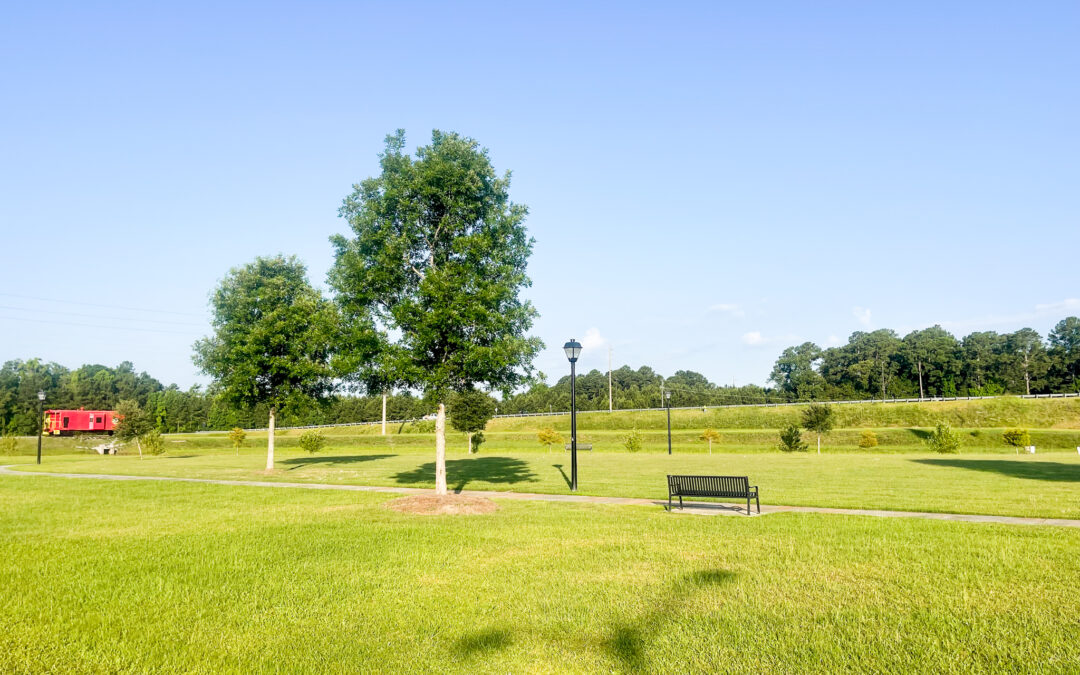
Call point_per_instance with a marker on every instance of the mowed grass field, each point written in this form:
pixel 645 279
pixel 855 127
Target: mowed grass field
pixel 102 576
pixel 1042 485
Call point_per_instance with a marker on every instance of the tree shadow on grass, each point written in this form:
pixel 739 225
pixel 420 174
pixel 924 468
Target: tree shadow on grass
pixel 482 642
pixel 1049 471
pixel 331 460
pixel 461 471
pixel 628 640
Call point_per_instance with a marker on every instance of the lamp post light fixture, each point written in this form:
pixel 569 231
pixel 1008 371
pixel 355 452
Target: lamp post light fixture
pixel 573 351
pixel 667 402
pixel 41 421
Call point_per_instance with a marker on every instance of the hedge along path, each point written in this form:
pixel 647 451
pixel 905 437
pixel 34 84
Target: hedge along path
pixel 692 508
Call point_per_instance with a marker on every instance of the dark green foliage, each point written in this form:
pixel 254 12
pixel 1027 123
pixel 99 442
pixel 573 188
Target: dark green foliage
pixel 132 421
pixel 470 410
pixel 818 418
pixel 476 440
pixel 943 439
pixel 437 258
pixel 272 335
pixel 1017 438
pixel 791 439
pixel 312 441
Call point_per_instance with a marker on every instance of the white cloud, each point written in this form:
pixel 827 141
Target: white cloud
pixel 593 340
pixel 833 341
pixel 753 338
pixel 862 314
pixel 1066 305
pixel 1041 310
pixel 728 308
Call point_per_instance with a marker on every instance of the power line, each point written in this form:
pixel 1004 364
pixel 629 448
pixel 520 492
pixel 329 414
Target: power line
pixel 90 304
pixel 89 325
pixel 99 317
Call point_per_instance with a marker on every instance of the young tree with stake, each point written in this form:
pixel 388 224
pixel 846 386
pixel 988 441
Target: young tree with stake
pixel 819 419
pixel 132 423
pixel 429 282
pixel 272 338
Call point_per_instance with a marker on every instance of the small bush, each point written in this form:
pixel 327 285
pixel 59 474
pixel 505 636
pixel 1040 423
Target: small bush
pixel 8 444
pixel 312 441
pixel 1017 438
pixel 237 436
pixel 868 439
pixel 477 440
pixel 791 439
pixel 153 442
pixel 944 439
pixel 549 437
pixel 633 441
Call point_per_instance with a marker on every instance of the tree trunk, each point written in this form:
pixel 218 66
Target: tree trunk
pixel 270 443
pixel 440 450
pixel 139 446
pixel 920 381
pixel 384 414
pixel 819 444
pixel 710 446
pixel 468 441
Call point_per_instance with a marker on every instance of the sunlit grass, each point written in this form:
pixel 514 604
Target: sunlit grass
pixel 172 577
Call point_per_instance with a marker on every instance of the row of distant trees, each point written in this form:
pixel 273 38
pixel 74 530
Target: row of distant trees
pixel 932 362
pixel 870 365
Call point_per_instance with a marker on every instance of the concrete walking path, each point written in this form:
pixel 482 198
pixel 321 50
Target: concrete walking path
pixel 692 508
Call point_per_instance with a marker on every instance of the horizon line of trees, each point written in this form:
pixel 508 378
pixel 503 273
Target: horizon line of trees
pixel 871 365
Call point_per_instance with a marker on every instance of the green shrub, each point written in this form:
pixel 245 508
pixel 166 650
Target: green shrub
pixel 944 439
pixel 633 441
pixel 8 444
pixel 868 439
pixel 791 439
pixel 312 441
pixel 477 440
pixel 1017 438
pixel 153 442
pixel 237 436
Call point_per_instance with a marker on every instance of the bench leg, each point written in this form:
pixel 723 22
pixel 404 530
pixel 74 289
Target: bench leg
pixel 669 501
pixel 758 501
pixel 680 501
pixel 747 504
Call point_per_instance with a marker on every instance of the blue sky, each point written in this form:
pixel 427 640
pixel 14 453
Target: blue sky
pixel 708 183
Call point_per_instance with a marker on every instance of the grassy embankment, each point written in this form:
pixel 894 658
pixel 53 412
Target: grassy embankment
pixel 137 577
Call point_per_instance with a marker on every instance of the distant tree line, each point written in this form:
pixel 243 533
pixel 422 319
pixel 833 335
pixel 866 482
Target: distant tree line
pixel 932 362
pixel 871 365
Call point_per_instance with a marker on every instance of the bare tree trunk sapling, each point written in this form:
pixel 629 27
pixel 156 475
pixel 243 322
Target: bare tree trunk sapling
pixel 139 446
pixel 819 444
pixel 920 381
pixel 468 442
pixel 270 443
pixel 440 450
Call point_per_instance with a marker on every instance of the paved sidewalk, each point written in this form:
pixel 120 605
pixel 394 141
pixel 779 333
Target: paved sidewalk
pixel 692 508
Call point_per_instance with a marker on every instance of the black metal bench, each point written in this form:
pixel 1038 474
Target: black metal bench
pixel 724 487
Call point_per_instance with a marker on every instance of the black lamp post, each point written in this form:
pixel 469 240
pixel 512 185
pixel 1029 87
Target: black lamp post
pixel 41 421
pixel 667 401
pixel 573 351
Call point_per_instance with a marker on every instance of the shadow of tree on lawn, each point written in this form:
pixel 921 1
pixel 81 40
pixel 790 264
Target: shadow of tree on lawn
pixel 331 460
pixel 1016 468
pixel 460 472
pixel 628 640
pixel 482 642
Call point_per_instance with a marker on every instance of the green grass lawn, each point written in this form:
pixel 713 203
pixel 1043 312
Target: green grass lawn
pixel 1042 485
pixel 138 577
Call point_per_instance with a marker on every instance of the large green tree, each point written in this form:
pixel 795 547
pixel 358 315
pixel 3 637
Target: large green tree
pixel 796 374
pixel 273 335
pixel 1065 353
pixel 1025 359
pixel 429 284
pixel 470 411
pixel 931 354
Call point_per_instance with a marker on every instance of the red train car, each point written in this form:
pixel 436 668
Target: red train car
pixel 66 422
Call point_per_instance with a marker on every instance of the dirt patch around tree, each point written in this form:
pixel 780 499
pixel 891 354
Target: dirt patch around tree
pixel 445 505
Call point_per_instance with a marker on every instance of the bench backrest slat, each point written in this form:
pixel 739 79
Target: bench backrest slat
pixel 709 486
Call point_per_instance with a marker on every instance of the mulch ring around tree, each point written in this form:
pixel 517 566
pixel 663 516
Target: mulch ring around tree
pixel 444 505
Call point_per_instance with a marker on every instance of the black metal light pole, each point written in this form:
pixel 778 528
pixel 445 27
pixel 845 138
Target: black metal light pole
pixel 573 350
pixel 41 421
pixel 667 400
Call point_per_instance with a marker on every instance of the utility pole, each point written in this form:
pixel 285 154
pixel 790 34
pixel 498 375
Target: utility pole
pixel 609 405
pixel 384 413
